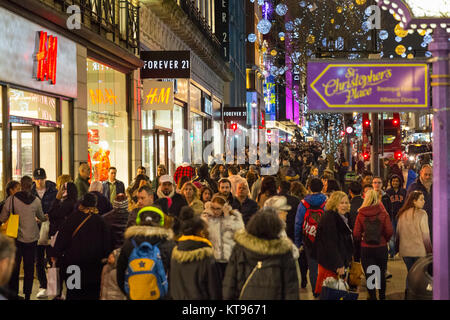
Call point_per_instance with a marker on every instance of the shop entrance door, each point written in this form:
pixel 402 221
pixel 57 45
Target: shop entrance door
pixel 34 147
pixel 164 148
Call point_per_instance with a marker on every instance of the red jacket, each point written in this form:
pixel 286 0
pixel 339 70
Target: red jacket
pixel 371 212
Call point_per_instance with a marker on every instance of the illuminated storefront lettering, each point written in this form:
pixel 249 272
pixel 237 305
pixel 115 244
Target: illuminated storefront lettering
pixel 47 58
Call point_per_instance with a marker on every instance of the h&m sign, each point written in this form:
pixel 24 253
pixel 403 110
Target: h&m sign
pixel 158 95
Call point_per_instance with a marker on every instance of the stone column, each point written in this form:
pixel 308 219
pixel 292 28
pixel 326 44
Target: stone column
pixel 136 132
pixel 441 162
pixel 80 129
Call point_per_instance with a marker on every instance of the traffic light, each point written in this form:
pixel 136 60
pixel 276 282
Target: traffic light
pixel 366 156
pixel 395 122
pixel 398 155
pixel 233 126
pixel 366 124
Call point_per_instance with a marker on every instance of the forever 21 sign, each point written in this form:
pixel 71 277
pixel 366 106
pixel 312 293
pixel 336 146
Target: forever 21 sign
pixel 166 64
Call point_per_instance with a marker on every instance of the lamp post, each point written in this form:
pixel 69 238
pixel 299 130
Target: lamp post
pixel 434 16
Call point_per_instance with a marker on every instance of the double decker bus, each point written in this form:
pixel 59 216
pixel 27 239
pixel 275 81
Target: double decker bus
pixel 392 136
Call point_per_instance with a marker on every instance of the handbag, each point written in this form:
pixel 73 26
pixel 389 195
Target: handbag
pixel 337 289
pixel 12 224
pixel 43 233
pixel 355 274
pixel 53 283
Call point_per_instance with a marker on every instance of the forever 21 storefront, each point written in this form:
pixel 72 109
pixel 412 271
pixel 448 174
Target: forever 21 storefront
pixel 38 78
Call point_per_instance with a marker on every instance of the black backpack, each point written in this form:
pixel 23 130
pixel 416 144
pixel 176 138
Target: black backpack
pixel 372 230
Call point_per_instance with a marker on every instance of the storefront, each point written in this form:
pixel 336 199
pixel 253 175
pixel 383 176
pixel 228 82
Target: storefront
pixel 38 84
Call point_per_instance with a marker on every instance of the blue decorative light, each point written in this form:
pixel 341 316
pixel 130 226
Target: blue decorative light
pixel 398 39
pixel 297 21
pixel 281 9
pixel 409 48
pixel 369 38
pixel 383 35
pixel 428 54
pixel 289 26
pixel 251 37
pixel 324 42
pixel 368 11
pixel 264 26
pixel 337 26
pixel 281 35
pixel 261 2
pixel 366 26
pixel 308 52
pixel 404 55
pixel 424 44
pixel 302 4
pixel 340 43
pixel 391 56
pixel 381 54
pixel 427 38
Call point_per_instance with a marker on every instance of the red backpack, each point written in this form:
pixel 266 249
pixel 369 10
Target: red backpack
pixel 311 222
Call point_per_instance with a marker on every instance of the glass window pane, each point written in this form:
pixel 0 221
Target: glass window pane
pixel 107 121
pixel 22 153
pixel 31 105
pixel 48 154
pixel 163 118
pixel 147 154
pixel 178 126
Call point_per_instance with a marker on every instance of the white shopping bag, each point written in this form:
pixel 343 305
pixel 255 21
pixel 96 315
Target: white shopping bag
pixel 53 284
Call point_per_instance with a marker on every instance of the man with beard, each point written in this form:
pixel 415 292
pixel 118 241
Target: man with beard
pixel 424 183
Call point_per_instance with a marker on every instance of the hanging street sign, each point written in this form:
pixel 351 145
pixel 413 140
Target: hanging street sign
pixel 343 86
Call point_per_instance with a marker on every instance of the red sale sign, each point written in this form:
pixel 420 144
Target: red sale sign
pixel 46 58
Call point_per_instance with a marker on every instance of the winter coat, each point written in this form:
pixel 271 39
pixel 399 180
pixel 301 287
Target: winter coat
pixel 414 233
pixel 120 188
pixel 178 201
pixel 334 242
pixel 412 176
pixel 397 199
pixel 48 197
pixel 278 277
pixel 371 212
pixel 248 208
pixel 315 200
pixel 153 235
pixel 82 186
pixel 28 207
pixel 117 220
pixel 197 206
pixel 221 231
pixel 109 288
pixel 294 202
pixel 428 207
pixel 91 244
pixel 194 274
pixel 355 204
pixel 103 204
pixel 58 213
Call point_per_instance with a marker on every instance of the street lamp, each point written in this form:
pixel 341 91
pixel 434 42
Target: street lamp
pixel 434 16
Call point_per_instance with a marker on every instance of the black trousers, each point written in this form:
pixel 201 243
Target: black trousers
pixel 303 263
pixel 41 266
pixel 25 252
pixel 377 256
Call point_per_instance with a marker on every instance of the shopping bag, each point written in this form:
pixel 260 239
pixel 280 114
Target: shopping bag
pixel 337 289
pixel 43 233
pixel 12 228
pixel 53 284
pixel 53 239
pixel 355 274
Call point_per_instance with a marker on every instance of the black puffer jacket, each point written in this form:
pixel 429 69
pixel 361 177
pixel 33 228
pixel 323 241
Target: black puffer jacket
pixel 334 242
pixel 277 279
pixel 117 220
pixel 194 274
pixel 152 235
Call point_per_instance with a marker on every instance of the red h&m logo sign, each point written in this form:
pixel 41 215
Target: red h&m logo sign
pixel 46 58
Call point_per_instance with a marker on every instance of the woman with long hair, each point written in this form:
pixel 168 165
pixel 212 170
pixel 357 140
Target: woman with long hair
pixel 190 192
pixel 298 190
pixel 268 189
pixel 334 239
pixel 413 231
pixel 141 180
pixel 373 229
pixel 206 194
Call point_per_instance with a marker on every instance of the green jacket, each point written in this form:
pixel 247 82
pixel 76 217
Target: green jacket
pixel 82 186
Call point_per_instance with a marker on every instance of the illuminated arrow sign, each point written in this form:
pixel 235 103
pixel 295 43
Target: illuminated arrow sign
pixel 343 86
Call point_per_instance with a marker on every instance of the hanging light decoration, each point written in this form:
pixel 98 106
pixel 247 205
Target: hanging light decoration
pixel 383 35
pixel 399 31
pixel 281 9
pixel 400 49
pixel 264 26
pixel 251 37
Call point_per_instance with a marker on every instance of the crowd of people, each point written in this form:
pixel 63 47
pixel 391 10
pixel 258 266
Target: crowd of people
pixel 215 231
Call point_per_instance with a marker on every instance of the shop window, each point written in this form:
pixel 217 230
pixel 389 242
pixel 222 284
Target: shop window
pixel 31 105
pixel 196 138
pixel 178 125
pixel 107 121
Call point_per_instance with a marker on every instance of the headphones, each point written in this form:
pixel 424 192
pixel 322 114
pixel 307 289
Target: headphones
pixel 151 209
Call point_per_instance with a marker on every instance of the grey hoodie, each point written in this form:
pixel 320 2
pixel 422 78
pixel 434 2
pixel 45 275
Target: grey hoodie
pixel 28 207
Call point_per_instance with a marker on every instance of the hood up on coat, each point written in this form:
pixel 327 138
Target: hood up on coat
pixel 148 232
pixel 263 246
pixel 192 248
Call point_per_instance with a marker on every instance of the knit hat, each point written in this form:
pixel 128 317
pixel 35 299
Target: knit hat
pixel 89 200
pixel 121 202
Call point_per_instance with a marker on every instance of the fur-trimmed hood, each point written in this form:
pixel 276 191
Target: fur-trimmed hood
pixel 192 248
pixel 148 232
pixel 262 246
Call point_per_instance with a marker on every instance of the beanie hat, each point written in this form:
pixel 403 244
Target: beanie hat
pixel 121 202
pixel 89 200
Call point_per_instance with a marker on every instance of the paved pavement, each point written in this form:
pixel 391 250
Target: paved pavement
pixel 395 286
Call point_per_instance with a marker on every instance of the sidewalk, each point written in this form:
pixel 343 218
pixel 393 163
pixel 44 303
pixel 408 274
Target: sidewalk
pixel 395 286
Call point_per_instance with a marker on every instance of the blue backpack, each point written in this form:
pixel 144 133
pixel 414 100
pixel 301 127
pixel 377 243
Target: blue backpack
pixel 145 278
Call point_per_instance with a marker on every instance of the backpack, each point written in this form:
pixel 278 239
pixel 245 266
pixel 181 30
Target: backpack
pixel 145 277
pixel 372 230
pixel 311 222
pixel 264 274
